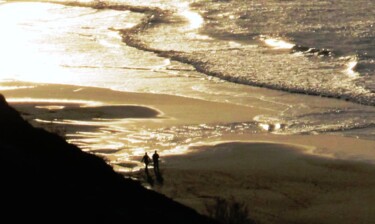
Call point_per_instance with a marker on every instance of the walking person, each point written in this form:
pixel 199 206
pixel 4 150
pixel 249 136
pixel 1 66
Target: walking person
pixel 155 160
pixel 146 160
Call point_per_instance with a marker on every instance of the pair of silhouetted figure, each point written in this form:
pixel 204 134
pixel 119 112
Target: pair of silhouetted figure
pixel 155 159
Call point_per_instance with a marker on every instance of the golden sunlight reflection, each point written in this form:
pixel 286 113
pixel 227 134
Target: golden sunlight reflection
pixel 234 44
pixel 138 151
pixel 16 43
pixel 270 127
pixel 108 145
pixel 23 12
pixel 350 69
pixel 49 43
pixel 72 122
pixel 162 66
pixel 278 44
pixel 277 126
pixel 109 44
pixel 132 140
pixel 114 40
pixel 55 101
pixel 82 123
pixel 177 150
pixel 194 18
pixel 85 133
pixel 2 88
pixel 265 127
pixel 51 107
pixel 124 148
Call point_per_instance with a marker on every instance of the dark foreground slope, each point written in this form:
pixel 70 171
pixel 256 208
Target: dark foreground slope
pixel 46 180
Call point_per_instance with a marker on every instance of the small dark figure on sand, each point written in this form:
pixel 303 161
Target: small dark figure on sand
pixel 146 160
pixel 155 159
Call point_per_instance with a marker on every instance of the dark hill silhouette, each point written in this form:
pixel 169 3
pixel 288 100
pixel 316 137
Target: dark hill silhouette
pixel 44 179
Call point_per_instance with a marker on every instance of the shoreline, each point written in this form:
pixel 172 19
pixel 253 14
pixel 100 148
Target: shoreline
pixel 238 110
pixel 280 177
pixel 89 109
pixel 43 174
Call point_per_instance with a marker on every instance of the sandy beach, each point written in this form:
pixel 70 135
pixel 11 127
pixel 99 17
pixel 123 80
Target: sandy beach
pixel 278 183
pixel 268 104
pixel 281 178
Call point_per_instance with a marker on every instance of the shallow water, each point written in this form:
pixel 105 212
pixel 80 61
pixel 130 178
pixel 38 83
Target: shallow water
pixel 227 51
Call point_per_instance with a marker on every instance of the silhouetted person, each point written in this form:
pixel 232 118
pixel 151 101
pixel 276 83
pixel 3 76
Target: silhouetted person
pixel 146 160
pixel 155 160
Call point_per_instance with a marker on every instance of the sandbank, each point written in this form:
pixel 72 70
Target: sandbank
pixel 174 110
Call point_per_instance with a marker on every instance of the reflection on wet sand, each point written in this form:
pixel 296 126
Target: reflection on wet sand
pixel 149 178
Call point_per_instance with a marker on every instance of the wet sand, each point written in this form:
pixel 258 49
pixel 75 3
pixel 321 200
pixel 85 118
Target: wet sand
pixel 174 110
pixel 280 183
pixel 282 178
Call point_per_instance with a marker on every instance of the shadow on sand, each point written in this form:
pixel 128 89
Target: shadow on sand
pixel 150 179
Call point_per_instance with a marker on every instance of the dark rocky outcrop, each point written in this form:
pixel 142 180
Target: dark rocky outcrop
pixel 44 179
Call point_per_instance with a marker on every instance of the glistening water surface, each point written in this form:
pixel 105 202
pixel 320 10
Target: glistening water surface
pixel 227 51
